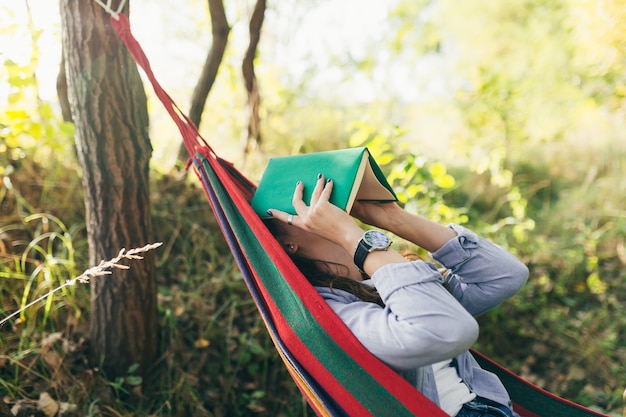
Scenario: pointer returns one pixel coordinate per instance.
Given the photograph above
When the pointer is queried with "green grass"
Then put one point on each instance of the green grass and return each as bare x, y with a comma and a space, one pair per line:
216, 358
563, 331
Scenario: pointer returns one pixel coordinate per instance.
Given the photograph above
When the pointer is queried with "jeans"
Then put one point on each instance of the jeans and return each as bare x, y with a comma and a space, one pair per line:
481, 407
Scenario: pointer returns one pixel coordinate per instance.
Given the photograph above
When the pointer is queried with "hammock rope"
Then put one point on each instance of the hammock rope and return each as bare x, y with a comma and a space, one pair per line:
336, 374
109, 9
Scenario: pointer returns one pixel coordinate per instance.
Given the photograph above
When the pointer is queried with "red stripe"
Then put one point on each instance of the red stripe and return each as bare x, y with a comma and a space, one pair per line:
317, 370
537, 389
188, 130
523, 412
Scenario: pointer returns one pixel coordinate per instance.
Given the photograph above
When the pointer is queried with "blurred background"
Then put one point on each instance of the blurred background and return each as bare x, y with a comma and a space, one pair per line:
508, 117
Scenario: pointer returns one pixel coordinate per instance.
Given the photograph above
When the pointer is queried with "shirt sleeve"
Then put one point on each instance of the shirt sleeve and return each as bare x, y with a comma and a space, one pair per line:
421, 322
480, 273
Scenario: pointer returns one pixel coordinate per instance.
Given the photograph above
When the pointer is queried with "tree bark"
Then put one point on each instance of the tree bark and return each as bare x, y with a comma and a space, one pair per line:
253, 138
109, 110
220, 30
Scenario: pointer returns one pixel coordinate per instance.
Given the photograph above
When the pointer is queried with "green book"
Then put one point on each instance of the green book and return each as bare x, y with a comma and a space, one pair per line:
354, 172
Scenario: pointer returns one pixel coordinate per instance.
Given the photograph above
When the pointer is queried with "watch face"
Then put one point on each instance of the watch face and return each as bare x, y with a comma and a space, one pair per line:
376, 239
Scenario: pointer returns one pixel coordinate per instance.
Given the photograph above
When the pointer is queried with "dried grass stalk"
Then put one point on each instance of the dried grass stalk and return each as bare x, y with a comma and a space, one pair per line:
104, 268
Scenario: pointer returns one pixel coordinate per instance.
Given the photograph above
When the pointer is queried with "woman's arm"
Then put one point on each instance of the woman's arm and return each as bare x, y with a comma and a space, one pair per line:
420, 324
416, 229
481, 274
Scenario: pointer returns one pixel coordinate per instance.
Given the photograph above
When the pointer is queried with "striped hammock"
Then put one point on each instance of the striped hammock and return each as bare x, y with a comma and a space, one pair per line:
336, 374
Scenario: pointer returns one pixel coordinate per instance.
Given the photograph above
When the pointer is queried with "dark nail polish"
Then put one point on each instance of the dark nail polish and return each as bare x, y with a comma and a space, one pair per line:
329, 180
269, 213
319, 176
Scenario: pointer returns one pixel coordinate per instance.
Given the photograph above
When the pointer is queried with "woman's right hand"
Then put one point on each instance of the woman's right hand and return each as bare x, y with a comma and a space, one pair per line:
333, 224
321, 217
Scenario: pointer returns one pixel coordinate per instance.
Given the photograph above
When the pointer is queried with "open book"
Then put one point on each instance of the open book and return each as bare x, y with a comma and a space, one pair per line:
354, 172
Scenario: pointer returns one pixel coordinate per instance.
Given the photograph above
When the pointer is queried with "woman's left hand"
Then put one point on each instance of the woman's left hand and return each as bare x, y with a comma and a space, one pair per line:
381, 215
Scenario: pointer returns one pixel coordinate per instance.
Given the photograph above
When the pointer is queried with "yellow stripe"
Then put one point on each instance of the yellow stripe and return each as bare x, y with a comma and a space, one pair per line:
306, 389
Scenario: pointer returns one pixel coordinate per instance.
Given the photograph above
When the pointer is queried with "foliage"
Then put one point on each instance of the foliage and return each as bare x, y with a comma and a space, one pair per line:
418, 182
26, 122
530, 153
217, 359
569, 304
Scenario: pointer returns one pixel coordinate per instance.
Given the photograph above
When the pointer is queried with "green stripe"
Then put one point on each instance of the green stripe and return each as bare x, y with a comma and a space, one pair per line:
532, 399
350, 375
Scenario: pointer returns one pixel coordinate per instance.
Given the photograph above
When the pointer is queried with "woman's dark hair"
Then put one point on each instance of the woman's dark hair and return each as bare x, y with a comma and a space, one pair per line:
322, 274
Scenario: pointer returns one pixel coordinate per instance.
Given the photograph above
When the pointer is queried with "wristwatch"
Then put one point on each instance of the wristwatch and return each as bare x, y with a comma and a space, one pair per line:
372, 240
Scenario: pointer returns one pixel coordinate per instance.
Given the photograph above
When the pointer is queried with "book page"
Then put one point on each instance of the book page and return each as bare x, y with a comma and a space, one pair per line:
358, 180
371, 188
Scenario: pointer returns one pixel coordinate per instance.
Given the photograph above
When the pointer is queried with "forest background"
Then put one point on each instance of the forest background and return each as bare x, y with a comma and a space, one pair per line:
508, 117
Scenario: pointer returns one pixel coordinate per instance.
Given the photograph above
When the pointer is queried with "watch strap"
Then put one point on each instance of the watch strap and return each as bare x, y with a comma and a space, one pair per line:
361, 252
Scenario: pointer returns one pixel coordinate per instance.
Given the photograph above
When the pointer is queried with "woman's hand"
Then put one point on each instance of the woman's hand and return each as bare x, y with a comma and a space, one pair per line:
321, 217
381, 215
324, 219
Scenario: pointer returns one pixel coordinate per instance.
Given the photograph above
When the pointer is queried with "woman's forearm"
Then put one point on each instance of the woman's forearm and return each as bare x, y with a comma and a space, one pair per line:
419, 230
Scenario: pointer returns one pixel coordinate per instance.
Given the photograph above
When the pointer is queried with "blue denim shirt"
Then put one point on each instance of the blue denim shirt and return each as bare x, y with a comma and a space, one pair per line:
423, 322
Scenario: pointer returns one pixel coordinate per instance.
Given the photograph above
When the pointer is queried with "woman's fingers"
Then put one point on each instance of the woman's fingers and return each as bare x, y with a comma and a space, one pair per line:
321, 190
327, 191
282, 216
297, 201
305, 214
320, 216
317, 191
380, 215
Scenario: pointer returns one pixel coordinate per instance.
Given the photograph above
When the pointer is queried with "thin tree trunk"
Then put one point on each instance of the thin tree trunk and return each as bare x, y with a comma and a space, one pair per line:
253, 138
61, 85
109, 109
220, 31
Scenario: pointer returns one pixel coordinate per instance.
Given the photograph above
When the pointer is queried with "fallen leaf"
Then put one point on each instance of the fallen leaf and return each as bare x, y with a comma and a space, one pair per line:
47, 405
67, 408
179, 311
4, 409
201, 343
51, 339
52, 358
257, 408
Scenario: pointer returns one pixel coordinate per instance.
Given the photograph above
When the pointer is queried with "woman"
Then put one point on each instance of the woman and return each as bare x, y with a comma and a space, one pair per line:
407, 313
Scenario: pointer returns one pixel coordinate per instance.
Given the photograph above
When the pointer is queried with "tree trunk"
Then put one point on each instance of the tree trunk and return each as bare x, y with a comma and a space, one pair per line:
253, 138
109, 109
220, 31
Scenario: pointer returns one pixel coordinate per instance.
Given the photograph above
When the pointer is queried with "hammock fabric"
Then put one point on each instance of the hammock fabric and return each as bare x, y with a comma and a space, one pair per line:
336, 374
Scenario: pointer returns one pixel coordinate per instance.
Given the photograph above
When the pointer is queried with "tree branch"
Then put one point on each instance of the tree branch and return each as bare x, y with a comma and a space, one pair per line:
220, 31
250, 80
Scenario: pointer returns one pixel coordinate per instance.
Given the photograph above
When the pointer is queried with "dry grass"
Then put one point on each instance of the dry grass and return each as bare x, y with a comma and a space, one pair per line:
216, 356
104, 268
